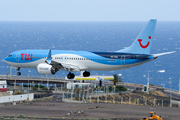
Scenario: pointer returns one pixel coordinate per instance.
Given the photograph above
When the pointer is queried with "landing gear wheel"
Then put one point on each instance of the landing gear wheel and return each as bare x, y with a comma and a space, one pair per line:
70, 76
18, 73
86, 74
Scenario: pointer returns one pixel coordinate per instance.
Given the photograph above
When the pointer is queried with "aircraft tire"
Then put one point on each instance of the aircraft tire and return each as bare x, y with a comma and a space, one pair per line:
70, 76
86, 74
18, 73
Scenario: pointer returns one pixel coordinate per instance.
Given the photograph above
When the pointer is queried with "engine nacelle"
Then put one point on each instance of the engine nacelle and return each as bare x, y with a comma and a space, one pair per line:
46, 69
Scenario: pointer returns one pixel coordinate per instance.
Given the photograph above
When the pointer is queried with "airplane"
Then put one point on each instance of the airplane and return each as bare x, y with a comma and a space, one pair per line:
48, 62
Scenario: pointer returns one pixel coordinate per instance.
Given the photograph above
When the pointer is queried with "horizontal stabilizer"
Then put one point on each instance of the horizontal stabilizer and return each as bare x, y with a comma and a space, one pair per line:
159, 54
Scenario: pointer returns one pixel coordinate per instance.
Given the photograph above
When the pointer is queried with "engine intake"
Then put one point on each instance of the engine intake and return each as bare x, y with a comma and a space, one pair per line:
46, 69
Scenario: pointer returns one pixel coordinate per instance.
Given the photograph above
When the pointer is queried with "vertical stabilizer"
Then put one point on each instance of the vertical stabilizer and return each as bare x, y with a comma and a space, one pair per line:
142, 44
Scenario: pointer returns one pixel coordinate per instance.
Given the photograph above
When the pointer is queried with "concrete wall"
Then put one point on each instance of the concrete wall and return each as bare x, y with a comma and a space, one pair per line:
16, 98
175, 102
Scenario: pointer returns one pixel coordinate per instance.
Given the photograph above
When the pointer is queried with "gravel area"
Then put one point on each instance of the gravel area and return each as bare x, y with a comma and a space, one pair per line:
88, 110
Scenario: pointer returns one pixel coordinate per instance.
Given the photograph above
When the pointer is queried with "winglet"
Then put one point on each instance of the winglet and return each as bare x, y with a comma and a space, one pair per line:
49, 58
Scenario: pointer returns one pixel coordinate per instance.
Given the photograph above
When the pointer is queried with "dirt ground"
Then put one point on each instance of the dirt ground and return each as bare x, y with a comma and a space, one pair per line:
88, 110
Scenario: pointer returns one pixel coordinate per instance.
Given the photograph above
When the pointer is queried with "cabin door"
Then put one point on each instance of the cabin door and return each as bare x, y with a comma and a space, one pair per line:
123, 60
17, 57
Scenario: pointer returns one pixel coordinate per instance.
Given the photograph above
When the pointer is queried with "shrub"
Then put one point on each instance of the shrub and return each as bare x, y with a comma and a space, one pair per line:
44, 88
110, 88
120, 88
41, 86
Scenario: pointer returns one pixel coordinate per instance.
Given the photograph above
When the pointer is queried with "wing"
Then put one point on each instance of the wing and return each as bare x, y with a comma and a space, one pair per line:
65, 66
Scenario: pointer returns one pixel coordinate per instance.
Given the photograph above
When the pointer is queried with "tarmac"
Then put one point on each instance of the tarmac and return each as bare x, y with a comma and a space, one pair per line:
68, 110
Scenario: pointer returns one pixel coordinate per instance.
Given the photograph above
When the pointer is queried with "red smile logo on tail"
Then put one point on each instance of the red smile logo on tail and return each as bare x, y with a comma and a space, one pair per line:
143, 45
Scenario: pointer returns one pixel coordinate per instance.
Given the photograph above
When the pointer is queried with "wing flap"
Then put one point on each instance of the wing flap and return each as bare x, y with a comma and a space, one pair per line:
70, 67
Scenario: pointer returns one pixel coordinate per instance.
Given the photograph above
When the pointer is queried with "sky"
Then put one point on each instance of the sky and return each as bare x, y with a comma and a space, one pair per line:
89, 10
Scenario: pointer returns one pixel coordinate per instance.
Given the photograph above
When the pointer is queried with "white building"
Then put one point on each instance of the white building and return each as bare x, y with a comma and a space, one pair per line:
3, 86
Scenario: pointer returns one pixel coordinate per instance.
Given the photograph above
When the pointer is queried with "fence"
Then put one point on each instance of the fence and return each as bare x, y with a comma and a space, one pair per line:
126, 100
114, 98
16, 98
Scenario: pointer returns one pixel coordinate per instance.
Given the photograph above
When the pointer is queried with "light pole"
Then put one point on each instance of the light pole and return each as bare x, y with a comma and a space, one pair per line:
47, 83
179, 85
28, 83
10, 71
38, 86
79, 95
170, 92
30, 86
148, 84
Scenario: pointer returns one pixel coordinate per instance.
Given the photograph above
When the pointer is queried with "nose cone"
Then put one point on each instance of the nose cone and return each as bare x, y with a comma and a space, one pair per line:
5, 60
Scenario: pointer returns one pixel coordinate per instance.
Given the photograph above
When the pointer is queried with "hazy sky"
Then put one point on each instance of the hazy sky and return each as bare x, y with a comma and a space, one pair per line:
89, 10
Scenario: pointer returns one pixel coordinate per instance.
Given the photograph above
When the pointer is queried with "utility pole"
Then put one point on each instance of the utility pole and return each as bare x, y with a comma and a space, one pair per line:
148, 84
10, 71
179, 85
47, 82
170, 92
28, 83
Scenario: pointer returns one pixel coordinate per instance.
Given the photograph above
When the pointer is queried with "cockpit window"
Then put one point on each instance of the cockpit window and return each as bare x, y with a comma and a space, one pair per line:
10, 56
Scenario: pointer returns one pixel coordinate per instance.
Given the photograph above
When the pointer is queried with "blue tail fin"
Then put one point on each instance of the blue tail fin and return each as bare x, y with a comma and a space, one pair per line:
142, 44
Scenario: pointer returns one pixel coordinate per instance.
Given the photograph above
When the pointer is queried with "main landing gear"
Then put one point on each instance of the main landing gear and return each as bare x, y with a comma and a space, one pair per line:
70, 75
18, 73
86, 74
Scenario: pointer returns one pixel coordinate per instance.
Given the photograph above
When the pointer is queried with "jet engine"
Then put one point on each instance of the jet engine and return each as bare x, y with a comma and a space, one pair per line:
46, 69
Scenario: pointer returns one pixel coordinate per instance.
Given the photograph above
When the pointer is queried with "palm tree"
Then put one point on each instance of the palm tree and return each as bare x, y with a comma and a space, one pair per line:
117, 79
